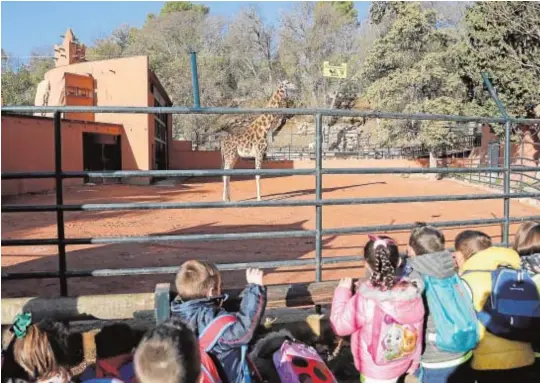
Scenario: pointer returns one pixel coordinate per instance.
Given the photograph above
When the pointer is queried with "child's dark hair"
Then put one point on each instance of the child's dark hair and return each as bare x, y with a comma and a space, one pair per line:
470, 242
114, 340
168, 354
426, 239
382, 256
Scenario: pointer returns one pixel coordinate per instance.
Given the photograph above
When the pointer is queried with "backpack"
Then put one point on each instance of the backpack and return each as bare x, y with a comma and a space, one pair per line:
512, 310
297, 362
113, 374
103, 380
453, 312
392, 340
207, 340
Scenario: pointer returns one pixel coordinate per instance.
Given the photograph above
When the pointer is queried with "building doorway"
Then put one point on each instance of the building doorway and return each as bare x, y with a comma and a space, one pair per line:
101, 152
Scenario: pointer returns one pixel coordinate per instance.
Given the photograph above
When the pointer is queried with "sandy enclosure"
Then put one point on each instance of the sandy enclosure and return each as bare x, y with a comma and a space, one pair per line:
234, 220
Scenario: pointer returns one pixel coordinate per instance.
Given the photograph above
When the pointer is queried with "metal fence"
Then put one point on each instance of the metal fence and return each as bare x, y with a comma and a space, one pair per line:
301, 147
60, 207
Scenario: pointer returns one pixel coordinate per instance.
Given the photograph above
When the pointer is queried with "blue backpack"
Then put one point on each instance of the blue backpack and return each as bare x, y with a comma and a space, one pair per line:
452, 310
513, 309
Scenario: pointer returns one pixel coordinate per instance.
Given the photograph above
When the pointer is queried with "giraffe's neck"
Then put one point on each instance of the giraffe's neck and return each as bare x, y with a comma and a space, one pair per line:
267, 121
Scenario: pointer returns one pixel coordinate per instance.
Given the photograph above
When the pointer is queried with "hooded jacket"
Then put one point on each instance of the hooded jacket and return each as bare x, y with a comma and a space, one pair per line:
198, 313
531, 263
438, 265
493, 352
353, 314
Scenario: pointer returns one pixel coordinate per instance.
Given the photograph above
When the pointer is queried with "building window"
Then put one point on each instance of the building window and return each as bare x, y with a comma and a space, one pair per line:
78, 92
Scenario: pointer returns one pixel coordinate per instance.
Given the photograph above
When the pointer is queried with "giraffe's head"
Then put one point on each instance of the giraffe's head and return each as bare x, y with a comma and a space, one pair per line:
287, 90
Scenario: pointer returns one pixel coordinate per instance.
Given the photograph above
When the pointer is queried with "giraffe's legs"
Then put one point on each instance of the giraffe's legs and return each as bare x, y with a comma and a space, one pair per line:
226, 196
258, 165
228, 164
258, 180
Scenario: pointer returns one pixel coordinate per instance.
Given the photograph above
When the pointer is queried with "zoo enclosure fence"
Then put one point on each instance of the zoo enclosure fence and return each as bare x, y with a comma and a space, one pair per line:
362, 148
318, 172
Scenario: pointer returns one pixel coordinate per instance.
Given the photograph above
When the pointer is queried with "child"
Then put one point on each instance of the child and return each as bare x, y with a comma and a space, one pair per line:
168, 354
199, 303
468, 243
385, 316
495, 359
522, 232
527, 244
428, 257
41, 349
114, 349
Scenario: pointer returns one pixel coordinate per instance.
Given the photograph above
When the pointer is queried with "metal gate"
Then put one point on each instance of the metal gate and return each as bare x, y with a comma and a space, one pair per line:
318, 172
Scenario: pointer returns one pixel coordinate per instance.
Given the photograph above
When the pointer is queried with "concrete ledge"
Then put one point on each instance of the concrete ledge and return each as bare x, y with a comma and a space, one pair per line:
106, 307
134, 306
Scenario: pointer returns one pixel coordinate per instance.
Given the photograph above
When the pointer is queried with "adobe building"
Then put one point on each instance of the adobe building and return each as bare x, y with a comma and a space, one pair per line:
100, 141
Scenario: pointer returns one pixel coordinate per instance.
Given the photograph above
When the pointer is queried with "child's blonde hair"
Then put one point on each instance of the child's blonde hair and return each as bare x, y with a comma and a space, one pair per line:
38, 354
169, 353
196, 278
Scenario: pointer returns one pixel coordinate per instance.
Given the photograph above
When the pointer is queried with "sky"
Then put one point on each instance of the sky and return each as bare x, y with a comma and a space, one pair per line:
28, 25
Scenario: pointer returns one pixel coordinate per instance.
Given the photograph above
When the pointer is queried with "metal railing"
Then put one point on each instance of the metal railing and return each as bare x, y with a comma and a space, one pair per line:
60, 207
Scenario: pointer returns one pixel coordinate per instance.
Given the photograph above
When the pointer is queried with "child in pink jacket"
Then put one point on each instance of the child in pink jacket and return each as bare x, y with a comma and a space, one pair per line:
385, 316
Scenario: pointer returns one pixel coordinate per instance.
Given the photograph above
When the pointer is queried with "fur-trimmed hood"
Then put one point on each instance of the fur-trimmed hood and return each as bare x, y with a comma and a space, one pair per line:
402, 291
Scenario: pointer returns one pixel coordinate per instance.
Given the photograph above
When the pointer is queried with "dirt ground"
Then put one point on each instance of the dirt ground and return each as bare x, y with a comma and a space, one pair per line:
161, 222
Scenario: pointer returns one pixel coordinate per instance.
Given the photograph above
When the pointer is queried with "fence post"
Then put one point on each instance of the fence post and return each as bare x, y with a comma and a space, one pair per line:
161, 302
60, 228
195, 80
290, 144
507, 172
318, 196
521, 156
506, 231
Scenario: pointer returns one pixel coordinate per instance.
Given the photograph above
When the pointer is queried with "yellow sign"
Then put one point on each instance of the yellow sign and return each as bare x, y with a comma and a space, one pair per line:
335, 71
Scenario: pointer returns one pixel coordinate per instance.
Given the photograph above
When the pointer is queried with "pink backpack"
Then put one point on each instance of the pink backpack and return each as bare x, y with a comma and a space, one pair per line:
391, 340
296, 362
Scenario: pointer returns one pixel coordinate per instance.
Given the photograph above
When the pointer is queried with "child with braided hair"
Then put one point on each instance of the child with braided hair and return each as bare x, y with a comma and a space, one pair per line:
384, 317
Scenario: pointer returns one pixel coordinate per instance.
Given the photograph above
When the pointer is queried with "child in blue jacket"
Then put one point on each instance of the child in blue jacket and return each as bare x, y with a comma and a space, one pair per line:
199, 303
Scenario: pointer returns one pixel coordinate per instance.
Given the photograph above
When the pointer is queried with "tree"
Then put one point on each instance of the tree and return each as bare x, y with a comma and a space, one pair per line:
167, 40
413, 69
112, 46
20, 79
310, 35
182, 6
251, 45
345, 8
503, 39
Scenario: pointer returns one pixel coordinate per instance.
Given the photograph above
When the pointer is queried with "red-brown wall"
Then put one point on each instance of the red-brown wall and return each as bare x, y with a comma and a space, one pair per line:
119, 82
183, 157
28, 146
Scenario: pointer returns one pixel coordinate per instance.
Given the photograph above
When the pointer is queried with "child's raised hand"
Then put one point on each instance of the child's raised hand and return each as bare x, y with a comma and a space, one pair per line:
346, 282
254, 276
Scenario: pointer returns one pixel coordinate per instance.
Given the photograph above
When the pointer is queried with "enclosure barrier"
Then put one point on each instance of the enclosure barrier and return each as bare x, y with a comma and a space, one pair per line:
59, 175
157, 304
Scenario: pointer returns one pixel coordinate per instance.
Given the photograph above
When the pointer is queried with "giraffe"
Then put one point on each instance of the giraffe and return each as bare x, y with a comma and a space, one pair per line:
252, 142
